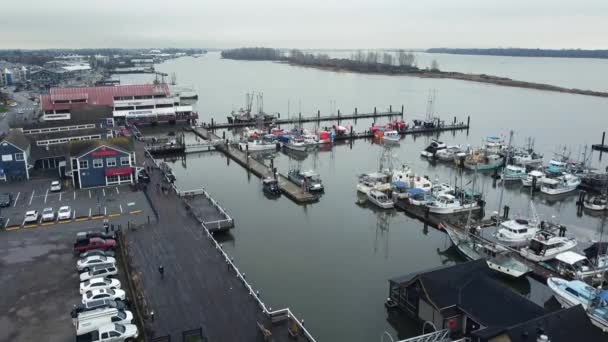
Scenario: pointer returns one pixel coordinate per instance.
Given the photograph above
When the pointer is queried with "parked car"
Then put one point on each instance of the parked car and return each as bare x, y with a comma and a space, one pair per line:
143, 176
96, 305
31, 216
5, 199
99, 283
64, 213
93, 243
97, 252
111, 332
55, 186
100, 271
97, 294
94, 234
48, 214
85, 264
93, 320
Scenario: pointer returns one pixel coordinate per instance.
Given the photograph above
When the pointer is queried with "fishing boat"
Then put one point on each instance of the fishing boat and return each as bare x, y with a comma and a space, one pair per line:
482, 161
270, 186
546, 245
596, 203
369, 181
497, 257
441, 188
556, 167
419, 197
391, 137
450, 153
513, 173
310, 178
432, 149
576, 292
380, 199
494, 144
399, 191
403, 174
256, 145
560, 185
527, 158
573, 265
595, 180
446, 204
296, 144
528, 181
518, 231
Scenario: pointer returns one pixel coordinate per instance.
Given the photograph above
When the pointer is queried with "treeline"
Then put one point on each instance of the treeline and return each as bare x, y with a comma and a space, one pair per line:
255, 54
516, 52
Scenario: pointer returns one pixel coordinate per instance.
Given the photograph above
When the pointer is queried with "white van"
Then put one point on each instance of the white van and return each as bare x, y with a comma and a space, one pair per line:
92, 320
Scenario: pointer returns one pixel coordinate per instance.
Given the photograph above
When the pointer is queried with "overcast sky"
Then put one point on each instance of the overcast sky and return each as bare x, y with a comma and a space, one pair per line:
305, 24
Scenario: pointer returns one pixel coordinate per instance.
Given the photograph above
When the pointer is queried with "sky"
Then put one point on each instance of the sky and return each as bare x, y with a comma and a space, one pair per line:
314, 24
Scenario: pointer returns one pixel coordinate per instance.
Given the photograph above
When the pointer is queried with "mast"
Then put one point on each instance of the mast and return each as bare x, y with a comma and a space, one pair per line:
502, 188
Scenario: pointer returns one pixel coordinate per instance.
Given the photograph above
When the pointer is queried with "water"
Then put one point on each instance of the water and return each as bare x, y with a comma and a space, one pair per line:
330, 261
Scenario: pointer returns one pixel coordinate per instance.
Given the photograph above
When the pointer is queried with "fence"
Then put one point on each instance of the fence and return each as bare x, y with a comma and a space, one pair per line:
217, 225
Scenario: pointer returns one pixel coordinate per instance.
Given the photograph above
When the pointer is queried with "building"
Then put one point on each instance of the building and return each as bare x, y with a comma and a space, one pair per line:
138, 104
102, 163
7, 77
14, 157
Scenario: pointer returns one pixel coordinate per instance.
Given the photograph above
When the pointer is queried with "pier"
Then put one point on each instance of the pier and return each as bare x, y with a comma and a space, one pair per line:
259, 169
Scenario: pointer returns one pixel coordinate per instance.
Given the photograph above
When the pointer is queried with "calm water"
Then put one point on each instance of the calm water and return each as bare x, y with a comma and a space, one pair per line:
330, 261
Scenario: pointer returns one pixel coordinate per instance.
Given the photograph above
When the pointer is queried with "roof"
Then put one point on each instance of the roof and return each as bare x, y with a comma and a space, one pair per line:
18, 139
566, 325
469, 287
78, 116
98, 96
570, 257
78, 148
50, 151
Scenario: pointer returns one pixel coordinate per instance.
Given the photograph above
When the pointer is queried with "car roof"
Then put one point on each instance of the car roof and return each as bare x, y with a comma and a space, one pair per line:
47, 209
30, 212
55, 182
64, 207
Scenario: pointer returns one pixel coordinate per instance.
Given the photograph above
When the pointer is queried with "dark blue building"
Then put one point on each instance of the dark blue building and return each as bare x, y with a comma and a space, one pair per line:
14, 157
101, 163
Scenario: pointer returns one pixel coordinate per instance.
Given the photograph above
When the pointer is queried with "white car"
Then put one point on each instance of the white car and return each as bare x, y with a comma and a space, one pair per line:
48, 214
64, 213
85, 264
55, 186
98, 294
31, 216
112, 332
99, 283
97, 272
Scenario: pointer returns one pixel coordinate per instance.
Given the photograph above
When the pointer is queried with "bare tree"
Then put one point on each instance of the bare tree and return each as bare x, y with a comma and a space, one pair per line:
387, 58
372, 57
406, 59
434, 65
359, 57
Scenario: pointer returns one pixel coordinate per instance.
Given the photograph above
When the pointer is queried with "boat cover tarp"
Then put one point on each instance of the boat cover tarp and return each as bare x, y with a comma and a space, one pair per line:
399, 184
415, 191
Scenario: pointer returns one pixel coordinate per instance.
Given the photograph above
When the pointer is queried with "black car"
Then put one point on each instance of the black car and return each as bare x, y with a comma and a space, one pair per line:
98, 304
143, 176
85, 236
5, 199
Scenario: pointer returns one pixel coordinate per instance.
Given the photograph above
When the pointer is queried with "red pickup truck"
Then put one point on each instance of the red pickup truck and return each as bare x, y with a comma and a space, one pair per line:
93, 243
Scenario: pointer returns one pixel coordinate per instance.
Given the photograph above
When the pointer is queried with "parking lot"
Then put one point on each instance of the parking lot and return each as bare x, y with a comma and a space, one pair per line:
89, 204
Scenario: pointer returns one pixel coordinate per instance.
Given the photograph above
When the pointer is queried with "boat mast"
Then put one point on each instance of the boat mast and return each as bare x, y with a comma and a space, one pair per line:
502, 188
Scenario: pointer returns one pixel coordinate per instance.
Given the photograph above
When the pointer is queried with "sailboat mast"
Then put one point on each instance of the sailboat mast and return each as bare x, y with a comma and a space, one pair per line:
502, 188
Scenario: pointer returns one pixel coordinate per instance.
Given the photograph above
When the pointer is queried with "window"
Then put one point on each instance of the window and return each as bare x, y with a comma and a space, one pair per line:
571, 291
83, 164
7, 157
125, 178
124, 161
114, 334
104, 336
111, 162
112, 179
97, 163
19, 156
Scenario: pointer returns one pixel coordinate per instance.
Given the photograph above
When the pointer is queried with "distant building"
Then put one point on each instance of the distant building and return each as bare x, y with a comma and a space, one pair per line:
101, 163
7, 77
14, 157
142, 103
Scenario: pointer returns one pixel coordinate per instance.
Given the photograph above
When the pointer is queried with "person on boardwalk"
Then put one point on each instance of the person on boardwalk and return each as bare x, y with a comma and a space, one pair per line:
161, 270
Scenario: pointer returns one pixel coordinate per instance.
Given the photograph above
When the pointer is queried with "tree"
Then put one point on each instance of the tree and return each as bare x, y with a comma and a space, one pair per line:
434, 65
406, 59
359, 57
387, 58
372, 57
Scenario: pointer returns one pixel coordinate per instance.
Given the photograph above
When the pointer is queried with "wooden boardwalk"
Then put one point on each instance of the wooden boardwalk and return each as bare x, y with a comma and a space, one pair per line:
201, 287
287, 187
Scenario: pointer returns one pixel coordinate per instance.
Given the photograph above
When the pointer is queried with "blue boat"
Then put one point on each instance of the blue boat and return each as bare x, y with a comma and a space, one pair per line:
575, 292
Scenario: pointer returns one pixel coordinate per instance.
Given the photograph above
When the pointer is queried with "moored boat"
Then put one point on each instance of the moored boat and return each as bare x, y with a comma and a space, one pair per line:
380, 199
596, 203
482, 161
308, 179
270, 186
576, 292
432, 149
546, 245
391, 137
560, 185
518, 231
446, 204
529, 180
513, 173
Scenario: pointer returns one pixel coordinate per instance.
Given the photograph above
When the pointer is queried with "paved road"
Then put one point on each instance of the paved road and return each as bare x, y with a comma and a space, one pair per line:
24, 104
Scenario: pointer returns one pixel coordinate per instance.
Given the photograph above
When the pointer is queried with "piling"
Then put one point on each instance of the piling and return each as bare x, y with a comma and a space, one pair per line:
468, 121
318, 115
355, 111
390, 108
603, 137
212, 122
375, 112
505, 213
338, 113
402, 110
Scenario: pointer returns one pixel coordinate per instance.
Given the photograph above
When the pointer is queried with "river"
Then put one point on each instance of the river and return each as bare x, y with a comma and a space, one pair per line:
330, 262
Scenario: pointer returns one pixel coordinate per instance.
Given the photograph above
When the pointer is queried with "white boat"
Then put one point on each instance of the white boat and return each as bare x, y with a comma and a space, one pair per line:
403, 174
432, 149
421, 183
311, 179
528, 181
296, 144
441, 188
380, 199
513, 173
560, 185
256, 145
518, 231
546, 245
368, 181
450, 153
447, 204
391, 137
495, 144
576, 292
596, 203
573, 265
526, 158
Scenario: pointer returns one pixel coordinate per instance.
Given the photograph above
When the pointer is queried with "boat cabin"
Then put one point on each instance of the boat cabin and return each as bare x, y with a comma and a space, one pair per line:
571, 265
546, 243
379, 196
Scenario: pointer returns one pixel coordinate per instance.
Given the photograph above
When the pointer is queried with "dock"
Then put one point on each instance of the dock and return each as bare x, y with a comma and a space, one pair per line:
316, 118
291, 190
202, 290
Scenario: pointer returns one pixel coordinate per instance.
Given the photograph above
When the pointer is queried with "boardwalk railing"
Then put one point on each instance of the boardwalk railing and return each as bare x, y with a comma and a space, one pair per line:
217, 225
276, 315
436, 336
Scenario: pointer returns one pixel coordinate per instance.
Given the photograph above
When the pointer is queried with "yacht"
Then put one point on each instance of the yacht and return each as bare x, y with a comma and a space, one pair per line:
513, 173
369, 181
482, 161
270, 186
528, 181
596, 203
560, 185
546, 245
432, 149
380, 199
518, 231
310, 178
391, 137
448, 204
575, 292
